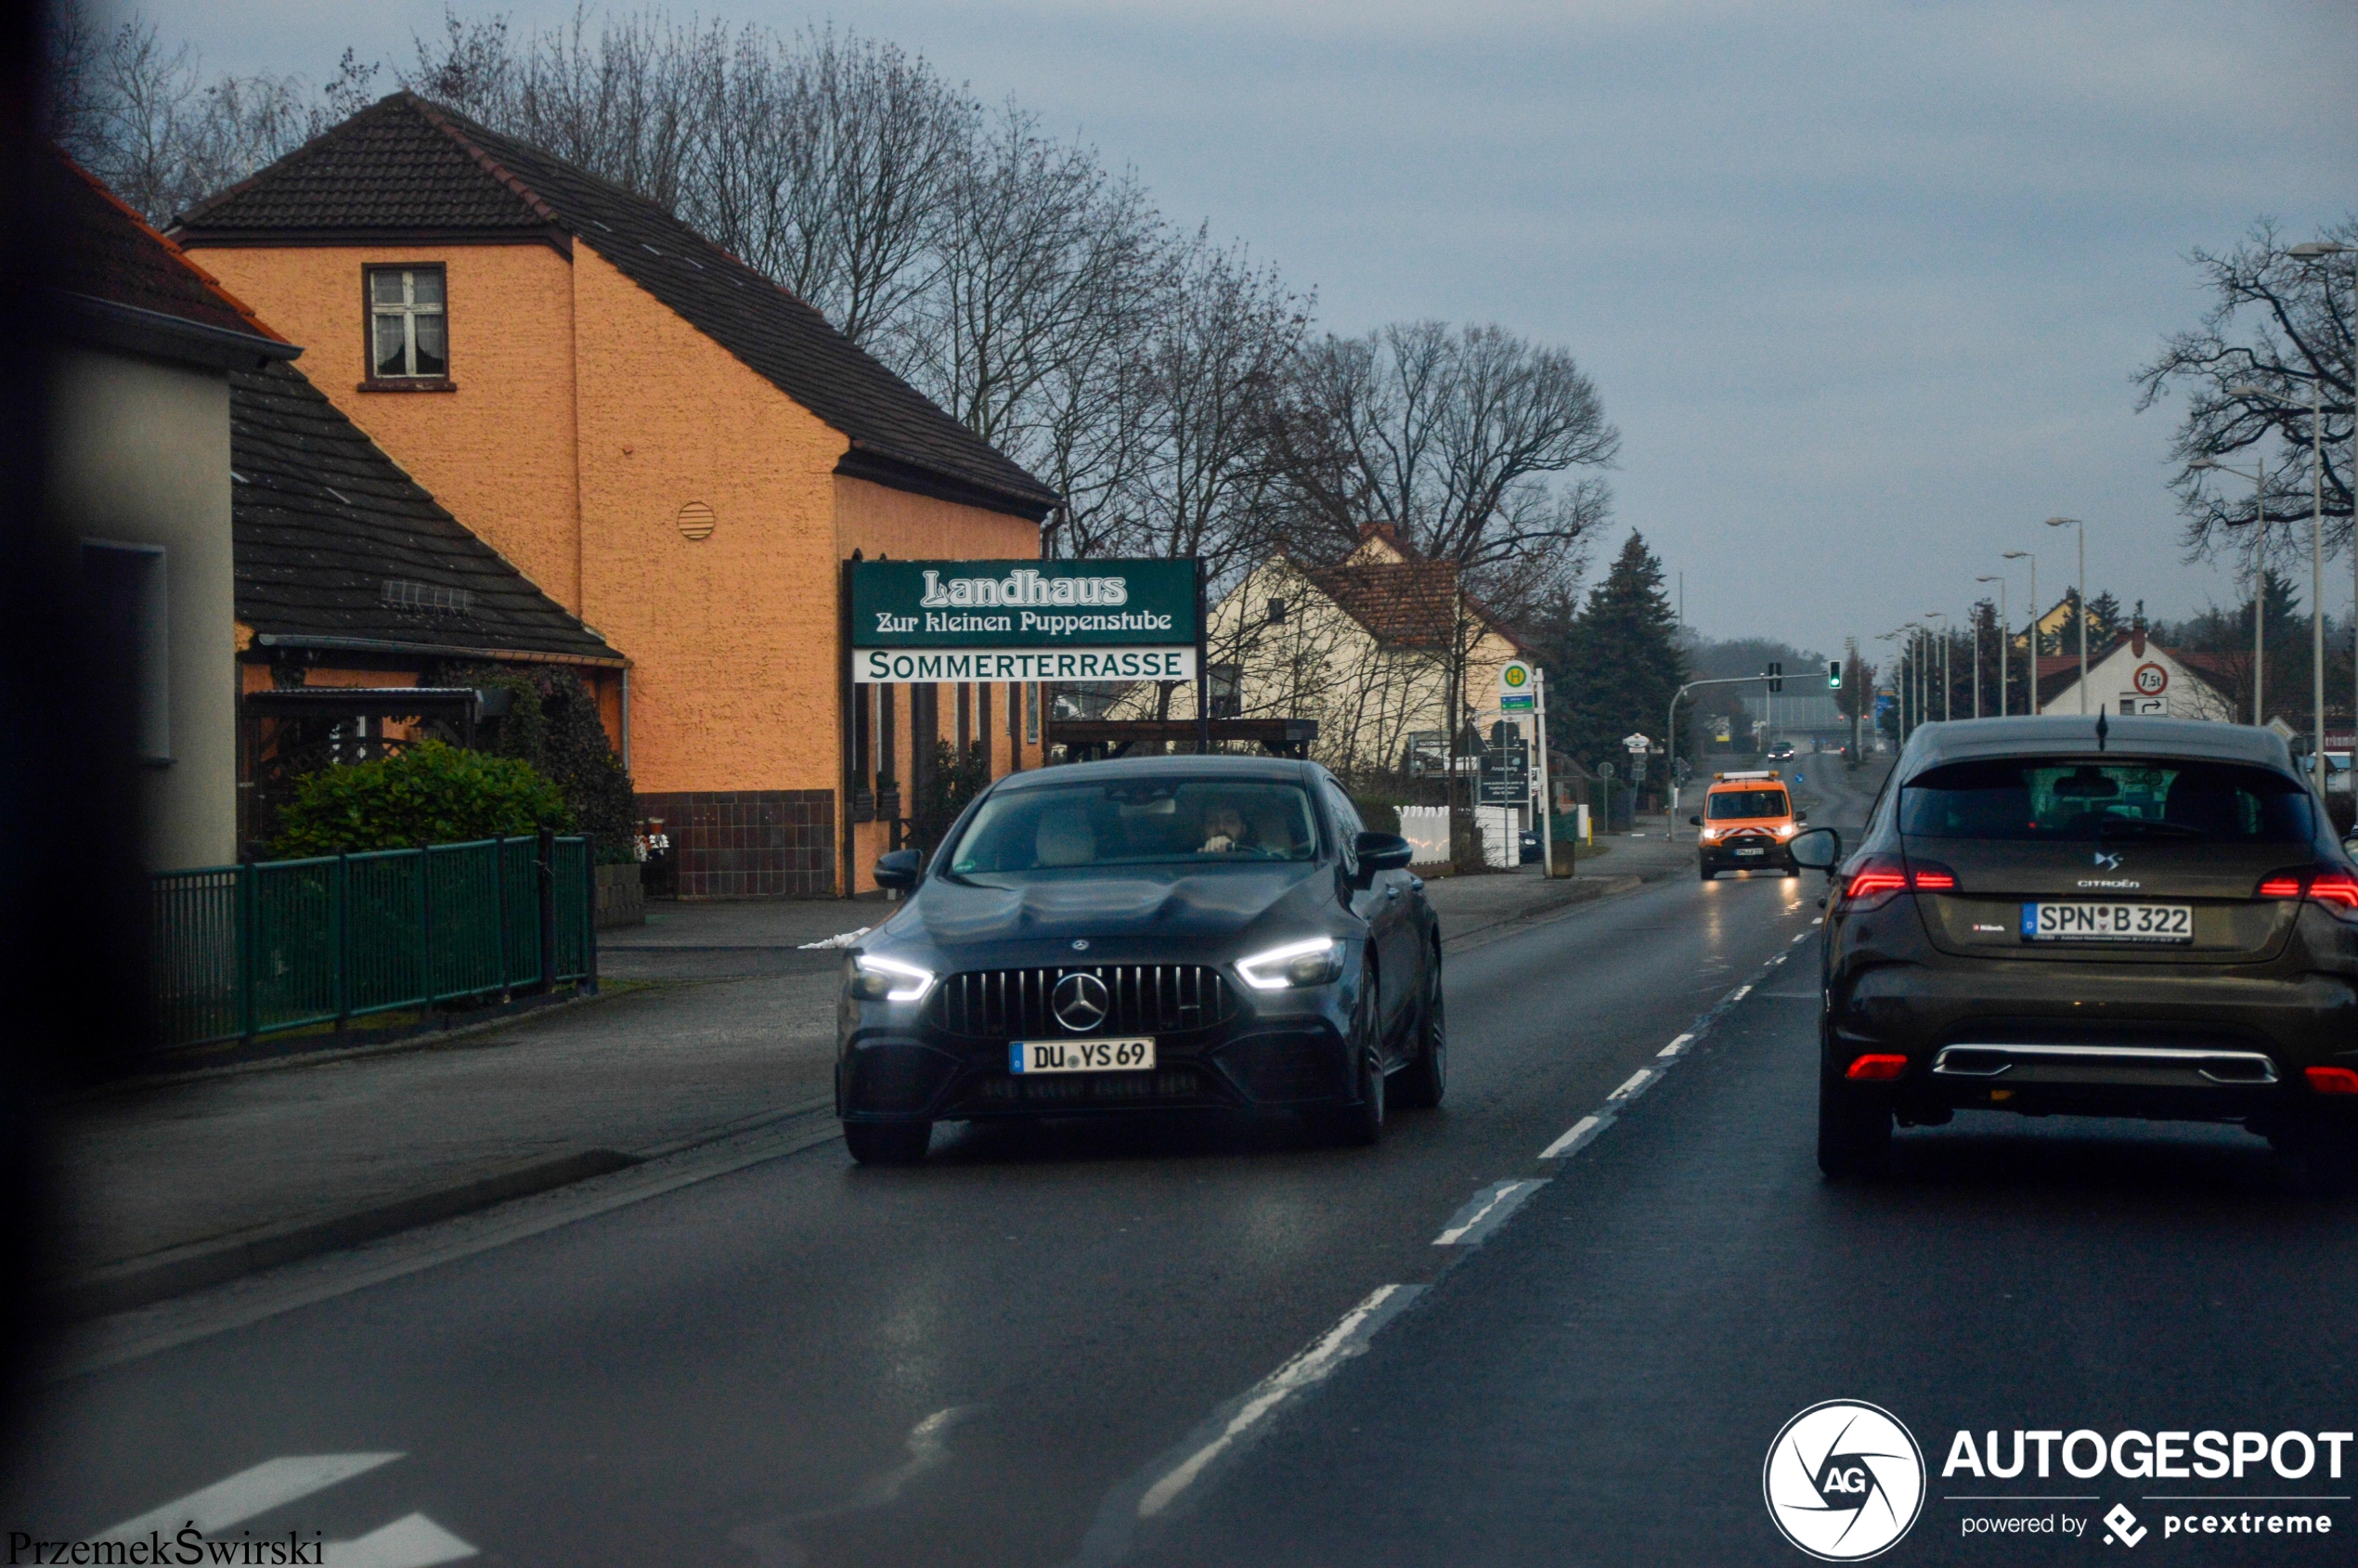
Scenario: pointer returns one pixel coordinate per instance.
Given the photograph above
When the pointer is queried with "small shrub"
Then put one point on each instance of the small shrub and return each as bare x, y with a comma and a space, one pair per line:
428, 794
553, 724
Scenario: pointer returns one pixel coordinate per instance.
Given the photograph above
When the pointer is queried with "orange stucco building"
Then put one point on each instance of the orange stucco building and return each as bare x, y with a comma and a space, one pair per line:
673, 449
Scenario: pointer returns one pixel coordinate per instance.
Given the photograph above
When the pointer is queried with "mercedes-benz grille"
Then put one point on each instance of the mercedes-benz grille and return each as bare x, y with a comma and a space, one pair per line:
1141, 999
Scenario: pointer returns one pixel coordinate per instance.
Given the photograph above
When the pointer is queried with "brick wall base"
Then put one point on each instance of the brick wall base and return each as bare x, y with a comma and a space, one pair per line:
749, 843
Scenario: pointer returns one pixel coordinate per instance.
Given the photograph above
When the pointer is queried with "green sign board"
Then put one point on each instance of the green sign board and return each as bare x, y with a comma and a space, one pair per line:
1023, 620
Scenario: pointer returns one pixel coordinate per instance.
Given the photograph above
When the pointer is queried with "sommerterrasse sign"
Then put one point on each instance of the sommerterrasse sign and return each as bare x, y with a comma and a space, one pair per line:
1023, 620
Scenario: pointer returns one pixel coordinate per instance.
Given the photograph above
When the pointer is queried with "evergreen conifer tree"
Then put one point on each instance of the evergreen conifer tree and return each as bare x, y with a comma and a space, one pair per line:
1622, 664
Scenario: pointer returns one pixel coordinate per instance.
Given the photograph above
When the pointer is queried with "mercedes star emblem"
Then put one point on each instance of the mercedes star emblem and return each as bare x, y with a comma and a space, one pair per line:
1081, 1002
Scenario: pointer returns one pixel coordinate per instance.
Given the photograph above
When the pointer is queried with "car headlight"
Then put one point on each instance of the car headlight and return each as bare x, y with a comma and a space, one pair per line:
1786, 830
1707, 835
1315, 962
884, 980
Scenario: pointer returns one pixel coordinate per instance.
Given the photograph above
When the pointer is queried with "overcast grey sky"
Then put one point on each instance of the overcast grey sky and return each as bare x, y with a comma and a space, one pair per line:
1863, 285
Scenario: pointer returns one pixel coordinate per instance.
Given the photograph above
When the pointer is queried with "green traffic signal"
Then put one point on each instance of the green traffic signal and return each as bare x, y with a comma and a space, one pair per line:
1833, 675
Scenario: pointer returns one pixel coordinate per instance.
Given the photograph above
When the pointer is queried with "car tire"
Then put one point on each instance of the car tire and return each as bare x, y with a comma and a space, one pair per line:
1707, 873
1359, 1125
887, 1143
1854, 1133
1424, 1081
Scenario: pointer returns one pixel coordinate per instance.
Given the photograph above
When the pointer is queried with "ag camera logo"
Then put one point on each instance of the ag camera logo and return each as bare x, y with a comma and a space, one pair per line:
1843, 1481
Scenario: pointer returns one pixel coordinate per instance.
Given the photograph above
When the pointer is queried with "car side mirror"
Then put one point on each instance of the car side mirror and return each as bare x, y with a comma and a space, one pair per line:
1819, 850
1694, 821
897, 870
2349, 846
1382, 852
1801, 817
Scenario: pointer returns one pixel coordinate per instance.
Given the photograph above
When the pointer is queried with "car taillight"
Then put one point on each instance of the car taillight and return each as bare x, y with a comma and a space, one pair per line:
2337, 889
2330, 886
1882, 875
2332, 1080
1883, 1070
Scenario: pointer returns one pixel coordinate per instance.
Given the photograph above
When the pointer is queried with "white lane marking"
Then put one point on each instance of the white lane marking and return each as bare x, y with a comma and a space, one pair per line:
1486, 1211
1635, 1085
1676, 1046
1738, 993
1820, 921
1802, 936
272, 1484
1577, 1138
1343, 1339
413, 1542
1778, 959
841, 939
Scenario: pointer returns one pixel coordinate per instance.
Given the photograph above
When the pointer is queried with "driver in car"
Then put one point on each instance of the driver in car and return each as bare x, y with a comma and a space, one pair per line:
1224, 829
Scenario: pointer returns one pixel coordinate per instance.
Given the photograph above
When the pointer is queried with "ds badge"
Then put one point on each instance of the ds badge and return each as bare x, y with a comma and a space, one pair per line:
1844, 1479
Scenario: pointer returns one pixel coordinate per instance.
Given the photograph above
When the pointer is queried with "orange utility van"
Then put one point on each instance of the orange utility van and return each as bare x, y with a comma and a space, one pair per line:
1747, 824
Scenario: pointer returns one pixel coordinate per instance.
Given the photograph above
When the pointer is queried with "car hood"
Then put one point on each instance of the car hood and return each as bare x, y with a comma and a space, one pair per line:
1129, 915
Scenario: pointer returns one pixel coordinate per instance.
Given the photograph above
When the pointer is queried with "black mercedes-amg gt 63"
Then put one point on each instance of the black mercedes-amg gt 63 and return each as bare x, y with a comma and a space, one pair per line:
1157, 933
2109, 916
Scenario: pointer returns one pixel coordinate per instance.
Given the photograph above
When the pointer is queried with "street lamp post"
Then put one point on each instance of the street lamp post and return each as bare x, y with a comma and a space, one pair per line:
2259, 477
1899, 682
2004, 636
1948, 684
1922, 688
2318, 250
2083, 592
2030, 677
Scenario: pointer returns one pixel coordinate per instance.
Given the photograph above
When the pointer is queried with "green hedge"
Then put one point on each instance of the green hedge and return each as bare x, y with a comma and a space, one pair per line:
428, 794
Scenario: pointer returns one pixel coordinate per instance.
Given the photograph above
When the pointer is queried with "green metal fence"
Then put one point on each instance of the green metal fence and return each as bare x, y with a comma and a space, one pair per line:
242, 951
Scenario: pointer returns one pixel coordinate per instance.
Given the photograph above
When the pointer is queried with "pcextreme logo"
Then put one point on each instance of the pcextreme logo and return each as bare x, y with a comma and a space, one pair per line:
1843, 1481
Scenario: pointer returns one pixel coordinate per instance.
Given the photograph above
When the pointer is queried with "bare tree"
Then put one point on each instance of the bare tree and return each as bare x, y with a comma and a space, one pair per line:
1476, 448
1456, 441
874, 138
2281, 324
1040, 261
143, 118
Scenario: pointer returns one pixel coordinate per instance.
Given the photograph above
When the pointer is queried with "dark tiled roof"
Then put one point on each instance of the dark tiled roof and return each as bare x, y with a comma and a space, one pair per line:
406, 168
1404, 605
333, 541
107, 252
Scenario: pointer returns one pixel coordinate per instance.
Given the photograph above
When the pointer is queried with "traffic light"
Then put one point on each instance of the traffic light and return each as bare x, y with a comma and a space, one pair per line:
1833, 675
1777, 676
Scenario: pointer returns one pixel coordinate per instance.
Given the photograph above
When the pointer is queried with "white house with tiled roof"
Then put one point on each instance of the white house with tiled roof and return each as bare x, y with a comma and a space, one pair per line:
1363, 647
2139, 676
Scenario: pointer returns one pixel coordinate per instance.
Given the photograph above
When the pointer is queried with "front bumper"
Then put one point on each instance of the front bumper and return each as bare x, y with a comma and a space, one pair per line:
1773, 855
1278, 1050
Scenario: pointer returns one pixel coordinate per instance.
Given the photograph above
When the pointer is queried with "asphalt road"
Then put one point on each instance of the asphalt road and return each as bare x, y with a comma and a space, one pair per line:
1196, 1341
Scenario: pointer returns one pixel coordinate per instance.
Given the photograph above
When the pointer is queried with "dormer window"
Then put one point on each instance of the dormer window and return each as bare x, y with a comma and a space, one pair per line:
408, 326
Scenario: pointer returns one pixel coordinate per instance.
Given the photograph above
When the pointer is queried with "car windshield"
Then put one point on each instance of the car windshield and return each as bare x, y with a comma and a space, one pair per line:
1730, 803
2044, 799
1206, 821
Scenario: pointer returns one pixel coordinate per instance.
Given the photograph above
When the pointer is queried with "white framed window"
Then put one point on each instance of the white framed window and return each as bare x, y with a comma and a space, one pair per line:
408, 324
129, 594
